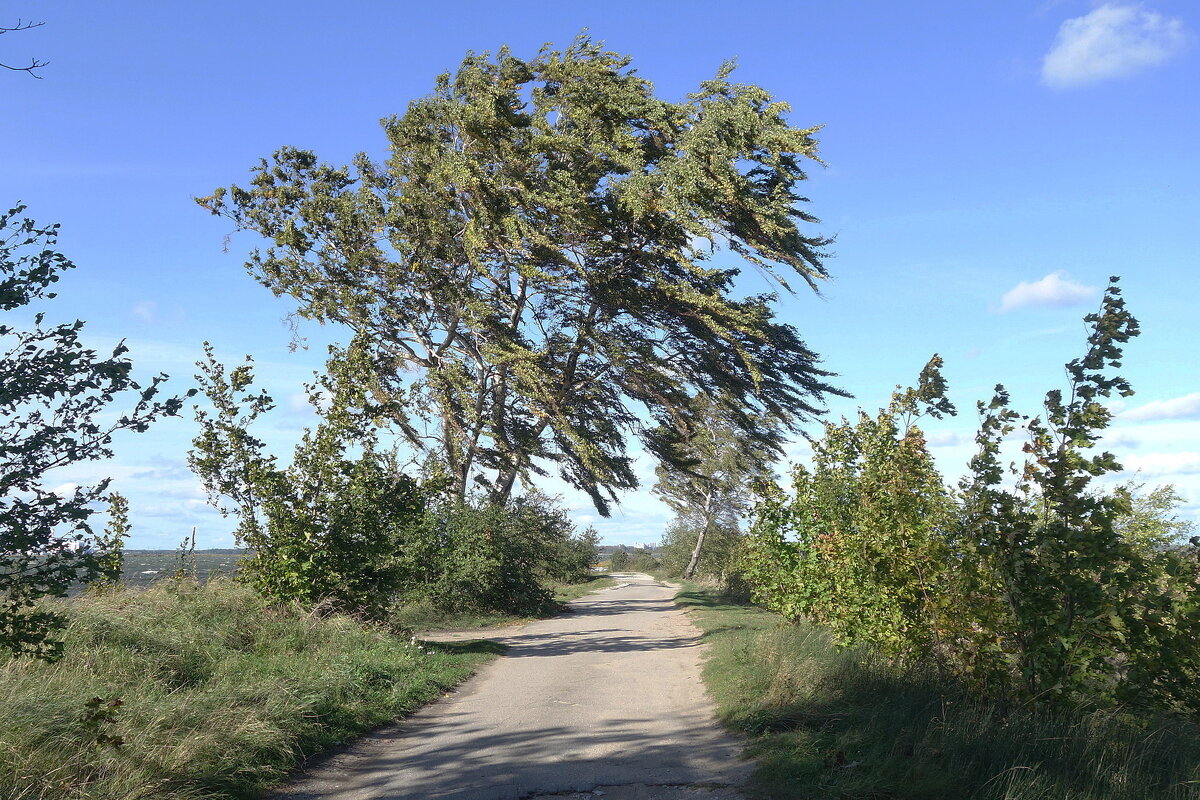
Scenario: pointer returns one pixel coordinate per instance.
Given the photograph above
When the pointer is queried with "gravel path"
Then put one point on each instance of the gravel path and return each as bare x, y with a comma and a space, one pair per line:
606, 701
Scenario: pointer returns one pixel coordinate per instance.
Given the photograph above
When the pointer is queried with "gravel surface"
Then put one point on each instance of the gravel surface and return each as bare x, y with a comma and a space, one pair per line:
603, 702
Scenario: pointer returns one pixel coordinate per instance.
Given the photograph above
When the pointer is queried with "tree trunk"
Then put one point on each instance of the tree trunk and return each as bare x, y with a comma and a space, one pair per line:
691, 567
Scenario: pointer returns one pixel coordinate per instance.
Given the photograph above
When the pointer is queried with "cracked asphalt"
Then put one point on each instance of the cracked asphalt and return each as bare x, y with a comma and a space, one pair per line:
604, 702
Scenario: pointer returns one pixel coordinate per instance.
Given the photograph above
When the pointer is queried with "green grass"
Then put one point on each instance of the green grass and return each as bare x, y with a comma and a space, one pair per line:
566, 592
221, 694
423, 616
825, 723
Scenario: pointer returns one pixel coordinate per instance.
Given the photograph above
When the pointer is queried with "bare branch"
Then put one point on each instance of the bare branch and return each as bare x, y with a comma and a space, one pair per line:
34, 64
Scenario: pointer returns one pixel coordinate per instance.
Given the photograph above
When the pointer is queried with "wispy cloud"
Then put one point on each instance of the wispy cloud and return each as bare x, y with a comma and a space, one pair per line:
1113, 41
1053, 291
146, 311
945, 439
1155, 464
1185, 407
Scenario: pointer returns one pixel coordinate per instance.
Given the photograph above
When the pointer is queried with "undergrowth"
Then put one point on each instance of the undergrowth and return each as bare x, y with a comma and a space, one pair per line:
830, 723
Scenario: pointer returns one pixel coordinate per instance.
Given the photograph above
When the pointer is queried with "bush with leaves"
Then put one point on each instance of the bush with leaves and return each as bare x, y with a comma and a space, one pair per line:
494, 556
642, 560
111, 545
1091, 613
329, 527
862, 543
1026, 581
619, 561
56, 409
719, 556
576, 557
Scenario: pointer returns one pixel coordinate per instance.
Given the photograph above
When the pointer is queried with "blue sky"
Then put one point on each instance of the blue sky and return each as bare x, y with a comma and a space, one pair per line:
989, 166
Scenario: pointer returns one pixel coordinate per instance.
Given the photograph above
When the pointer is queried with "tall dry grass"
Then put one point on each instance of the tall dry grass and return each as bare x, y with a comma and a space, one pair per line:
220, 694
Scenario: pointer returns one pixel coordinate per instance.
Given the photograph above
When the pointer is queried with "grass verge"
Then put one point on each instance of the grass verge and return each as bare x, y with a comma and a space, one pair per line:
825, 723
424, 616
220, 694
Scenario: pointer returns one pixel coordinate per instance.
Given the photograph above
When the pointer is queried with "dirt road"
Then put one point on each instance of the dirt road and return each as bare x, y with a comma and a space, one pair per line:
606, 702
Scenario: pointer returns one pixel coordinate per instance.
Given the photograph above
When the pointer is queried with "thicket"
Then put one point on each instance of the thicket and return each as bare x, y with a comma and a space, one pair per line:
633, 559
343, 526
1024, 581
718, 556
494, 556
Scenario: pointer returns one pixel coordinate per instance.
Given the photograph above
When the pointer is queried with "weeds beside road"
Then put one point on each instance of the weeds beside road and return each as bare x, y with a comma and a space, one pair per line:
825, 723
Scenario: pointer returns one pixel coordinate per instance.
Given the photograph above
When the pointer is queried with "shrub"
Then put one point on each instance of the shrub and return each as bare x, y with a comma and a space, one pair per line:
494, 557
1024, 581
330, 527
58, 407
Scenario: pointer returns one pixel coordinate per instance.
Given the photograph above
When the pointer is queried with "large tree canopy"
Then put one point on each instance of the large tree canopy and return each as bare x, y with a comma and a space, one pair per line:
533, 266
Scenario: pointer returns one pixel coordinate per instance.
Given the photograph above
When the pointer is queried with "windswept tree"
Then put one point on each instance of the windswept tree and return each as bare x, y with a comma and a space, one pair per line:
535, 264
709, 489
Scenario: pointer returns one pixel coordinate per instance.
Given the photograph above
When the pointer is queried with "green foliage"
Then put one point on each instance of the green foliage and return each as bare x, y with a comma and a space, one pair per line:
111, 546
1091, 615
222, 693
329, 527
1024, 581
576, 557
709, 490
718, 557
862, 543
824, 721
56, 409
494, 557
619, 562
533, 262
635, 559
642, 560
1149, 523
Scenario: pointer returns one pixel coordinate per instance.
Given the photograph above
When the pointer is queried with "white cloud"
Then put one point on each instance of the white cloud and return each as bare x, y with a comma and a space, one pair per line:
1053, 291
943, 439
65, 490
1111, 42
1154, 464
1186, 407
146, 311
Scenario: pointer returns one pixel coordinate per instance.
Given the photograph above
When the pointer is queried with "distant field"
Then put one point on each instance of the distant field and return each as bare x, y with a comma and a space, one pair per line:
144, 567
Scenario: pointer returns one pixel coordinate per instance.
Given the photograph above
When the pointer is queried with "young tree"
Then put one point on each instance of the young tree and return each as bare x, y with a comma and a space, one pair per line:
328, 527
709, 487
863, 544
1094, 612
111, 545
56, 401
619, 561
535, 260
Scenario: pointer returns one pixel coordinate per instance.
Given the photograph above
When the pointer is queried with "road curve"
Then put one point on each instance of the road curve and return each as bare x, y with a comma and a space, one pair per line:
606, 701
